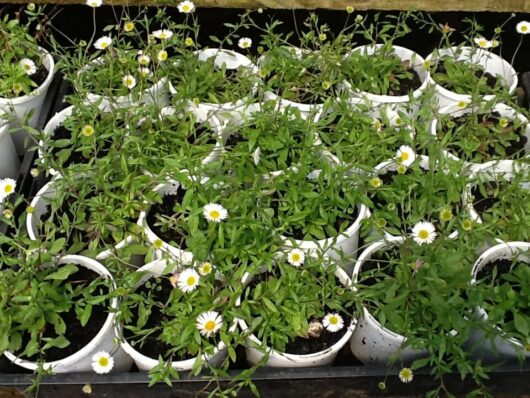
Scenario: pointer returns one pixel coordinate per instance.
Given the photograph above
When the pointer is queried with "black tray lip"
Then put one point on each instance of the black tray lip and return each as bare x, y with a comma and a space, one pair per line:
263, 374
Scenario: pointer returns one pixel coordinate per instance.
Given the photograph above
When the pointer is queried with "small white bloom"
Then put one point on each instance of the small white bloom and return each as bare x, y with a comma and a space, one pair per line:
163, 34
28, 66
144, 60
406, 375
405, 155
129, 81
256, 156
94, 3
245, 42
186, 7
205, 268
144, 72
482, 42
333, 322
296, 257
214, 212
103, 42
523, 27
102, 362
188, 280
209, 322
7, 187
161, 56
424, 232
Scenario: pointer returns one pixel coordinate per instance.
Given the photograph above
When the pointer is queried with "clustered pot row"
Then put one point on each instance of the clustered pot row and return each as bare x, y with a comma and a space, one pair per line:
290, 205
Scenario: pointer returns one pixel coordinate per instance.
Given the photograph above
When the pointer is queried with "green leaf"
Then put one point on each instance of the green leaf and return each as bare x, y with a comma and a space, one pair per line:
62, 273
521, 324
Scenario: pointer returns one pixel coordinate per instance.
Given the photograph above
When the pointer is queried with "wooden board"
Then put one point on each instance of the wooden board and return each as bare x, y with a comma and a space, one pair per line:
428, 5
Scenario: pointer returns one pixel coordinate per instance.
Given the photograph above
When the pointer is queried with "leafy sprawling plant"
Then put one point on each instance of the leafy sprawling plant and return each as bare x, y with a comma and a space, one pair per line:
43, 301
21, 60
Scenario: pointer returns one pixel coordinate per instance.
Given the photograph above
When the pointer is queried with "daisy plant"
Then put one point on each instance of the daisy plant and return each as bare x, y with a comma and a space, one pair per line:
311, 201
413, 290
22, 67
307, 307
183, 313
50, 308
412, 191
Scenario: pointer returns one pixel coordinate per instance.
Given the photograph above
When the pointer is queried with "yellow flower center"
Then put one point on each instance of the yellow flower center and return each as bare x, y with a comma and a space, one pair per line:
295, 257
190, 281
401, 169
188, 41
503, 122
210, 325
103, 361
8, 188
446, 215
376, 182
524, 28
467, 225
163, 36
206, 268
377, 124
333, 320
423, 234
215, 214
405, 156
26, 66
185, 8
87, 130
104, 44
129, 26
157, 244
482, 43
462, 104
162, 55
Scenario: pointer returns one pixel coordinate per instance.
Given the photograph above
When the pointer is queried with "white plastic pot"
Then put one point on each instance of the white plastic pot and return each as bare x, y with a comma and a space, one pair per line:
255, 350
156, 94
491, 63
305, 109
502, 164
395, 102
9, 163
182, 257
40, 205
503, 348
372, 343
33, 101
231, 60
81, 361
144, 363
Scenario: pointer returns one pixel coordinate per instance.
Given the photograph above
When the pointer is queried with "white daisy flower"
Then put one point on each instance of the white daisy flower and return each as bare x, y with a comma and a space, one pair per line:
129, 81
523, 27
376, 124
209, 322
205, 268
144, 72
405, 155
245, 42
188, 280
296, 257
103, 42
333, 322
256, 156
161, 56
94, 3
144, 59
28, 66
102, 362
424, 232
406, 375
186, 7
7, 187
214, 212
163, 34
482, 42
